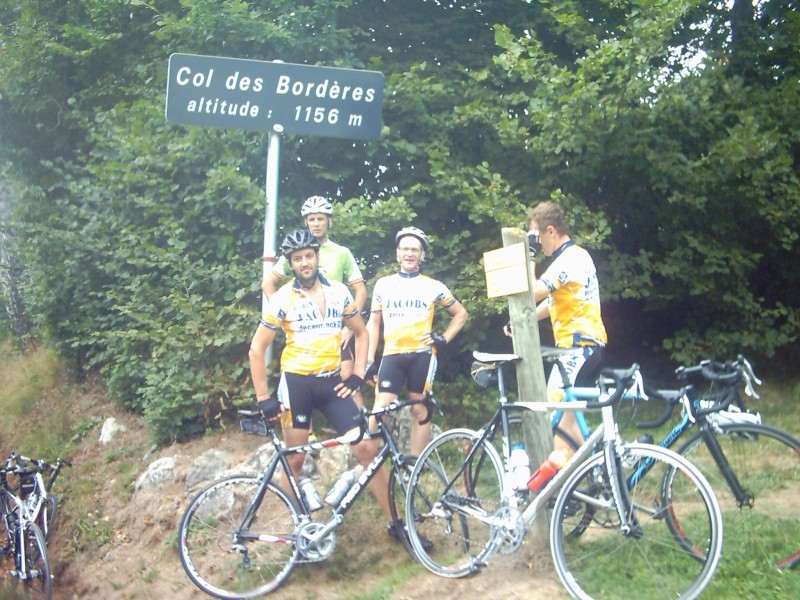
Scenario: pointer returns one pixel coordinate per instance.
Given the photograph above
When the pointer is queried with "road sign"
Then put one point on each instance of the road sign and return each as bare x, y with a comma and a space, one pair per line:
260, 95
506, 270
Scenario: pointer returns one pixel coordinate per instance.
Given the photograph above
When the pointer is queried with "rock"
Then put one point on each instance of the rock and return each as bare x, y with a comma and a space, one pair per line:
207, 466
110, 429
158, 475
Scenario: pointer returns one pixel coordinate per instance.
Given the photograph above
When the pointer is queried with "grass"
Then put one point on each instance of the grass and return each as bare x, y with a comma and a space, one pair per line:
29, 387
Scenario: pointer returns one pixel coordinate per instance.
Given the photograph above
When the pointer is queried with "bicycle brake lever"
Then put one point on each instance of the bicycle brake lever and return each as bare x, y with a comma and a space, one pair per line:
750, 378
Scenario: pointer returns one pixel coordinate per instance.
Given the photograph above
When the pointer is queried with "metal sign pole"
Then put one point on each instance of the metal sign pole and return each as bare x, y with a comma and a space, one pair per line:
270, 217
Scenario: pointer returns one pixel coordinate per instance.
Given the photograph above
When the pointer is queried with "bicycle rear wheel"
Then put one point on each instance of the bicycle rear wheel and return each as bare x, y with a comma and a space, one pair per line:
649, 562
227, 560
38, 583
765, 525
454, 492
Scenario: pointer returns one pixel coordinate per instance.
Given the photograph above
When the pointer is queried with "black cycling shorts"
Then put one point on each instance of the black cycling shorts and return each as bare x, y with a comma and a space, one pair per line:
415, 371
301, 394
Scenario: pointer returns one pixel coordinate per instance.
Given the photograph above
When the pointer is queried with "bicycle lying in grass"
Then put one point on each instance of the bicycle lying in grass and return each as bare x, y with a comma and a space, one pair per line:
753, 468
461, 498
23, 540
243, 535
36, 479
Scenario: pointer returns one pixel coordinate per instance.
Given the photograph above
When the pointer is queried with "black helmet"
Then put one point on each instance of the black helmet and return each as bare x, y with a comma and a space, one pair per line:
297, 240
414, 232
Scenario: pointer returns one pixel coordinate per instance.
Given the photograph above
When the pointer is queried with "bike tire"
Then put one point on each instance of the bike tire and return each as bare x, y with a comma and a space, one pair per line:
8, 534
399, 477
260, 561
451, 502
766, 461
47, 515
650, 563
39, 583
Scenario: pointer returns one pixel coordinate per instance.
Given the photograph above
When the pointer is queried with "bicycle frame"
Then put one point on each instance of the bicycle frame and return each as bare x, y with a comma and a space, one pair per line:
389, 450
20, 516
604, 434
688, 418
742, 496
574, 402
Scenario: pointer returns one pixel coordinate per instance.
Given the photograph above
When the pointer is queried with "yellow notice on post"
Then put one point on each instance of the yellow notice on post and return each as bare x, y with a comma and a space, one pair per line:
506, 270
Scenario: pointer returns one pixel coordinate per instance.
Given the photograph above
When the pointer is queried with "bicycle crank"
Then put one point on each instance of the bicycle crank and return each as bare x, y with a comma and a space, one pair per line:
310, 547
507, 530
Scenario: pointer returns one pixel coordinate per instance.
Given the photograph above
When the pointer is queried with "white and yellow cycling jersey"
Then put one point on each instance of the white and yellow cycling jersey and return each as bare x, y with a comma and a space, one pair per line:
406, 302
313, 340
574, 300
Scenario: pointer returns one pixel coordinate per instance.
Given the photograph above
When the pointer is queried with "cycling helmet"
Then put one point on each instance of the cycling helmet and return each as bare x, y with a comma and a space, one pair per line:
316, 204
412, 231
297, 240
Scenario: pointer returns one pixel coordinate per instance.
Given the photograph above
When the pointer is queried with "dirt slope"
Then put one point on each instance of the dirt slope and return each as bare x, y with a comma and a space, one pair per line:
134, 554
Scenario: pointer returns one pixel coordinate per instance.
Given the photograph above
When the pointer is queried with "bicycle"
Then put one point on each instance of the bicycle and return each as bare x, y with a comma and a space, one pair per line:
23, 539
242, 536
460, 497
753, 468
35, 489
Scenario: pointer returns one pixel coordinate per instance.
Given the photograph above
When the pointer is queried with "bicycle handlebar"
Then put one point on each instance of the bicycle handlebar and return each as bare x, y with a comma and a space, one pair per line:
18, 464
728, 374
669, 406
429, 401
621, 380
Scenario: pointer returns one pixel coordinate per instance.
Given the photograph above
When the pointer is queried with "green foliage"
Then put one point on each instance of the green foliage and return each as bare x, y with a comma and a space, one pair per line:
464, 403
667, 129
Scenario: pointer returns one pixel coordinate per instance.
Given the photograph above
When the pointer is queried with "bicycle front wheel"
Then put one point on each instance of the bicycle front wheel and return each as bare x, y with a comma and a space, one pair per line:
648, 561
454, 491
763, 525
228, 558
399, 477
38, 582
47, 515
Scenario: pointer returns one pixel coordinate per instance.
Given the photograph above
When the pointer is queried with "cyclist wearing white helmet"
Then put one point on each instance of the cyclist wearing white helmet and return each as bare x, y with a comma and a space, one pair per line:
336, 263
404, 303
311, 310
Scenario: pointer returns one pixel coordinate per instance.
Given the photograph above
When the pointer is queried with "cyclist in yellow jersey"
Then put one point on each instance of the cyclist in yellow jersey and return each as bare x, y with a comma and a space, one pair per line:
336, 263
568, 292
311, 310
404, 303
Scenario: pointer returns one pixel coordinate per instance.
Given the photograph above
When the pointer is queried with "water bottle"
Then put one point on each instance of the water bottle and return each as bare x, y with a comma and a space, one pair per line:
520, 466
547, 470
340, 488
310, 494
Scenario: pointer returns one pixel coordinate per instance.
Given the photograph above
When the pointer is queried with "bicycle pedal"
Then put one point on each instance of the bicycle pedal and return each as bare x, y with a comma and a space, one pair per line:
476, 566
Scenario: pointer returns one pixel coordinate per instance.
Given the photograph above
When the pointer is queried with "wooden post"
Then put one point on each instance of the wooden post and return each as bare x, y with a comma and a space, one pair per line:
531, 384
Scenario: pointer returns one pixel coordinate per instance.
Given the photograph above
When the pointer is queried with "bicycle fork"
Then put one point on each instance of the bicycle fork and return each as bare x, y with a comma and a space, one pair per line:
612, 450
743, 498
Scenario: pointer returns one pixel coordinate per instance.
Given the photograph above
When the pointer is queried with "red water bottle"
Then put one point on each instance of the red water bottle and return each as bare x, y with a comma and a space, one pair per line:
547, 470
